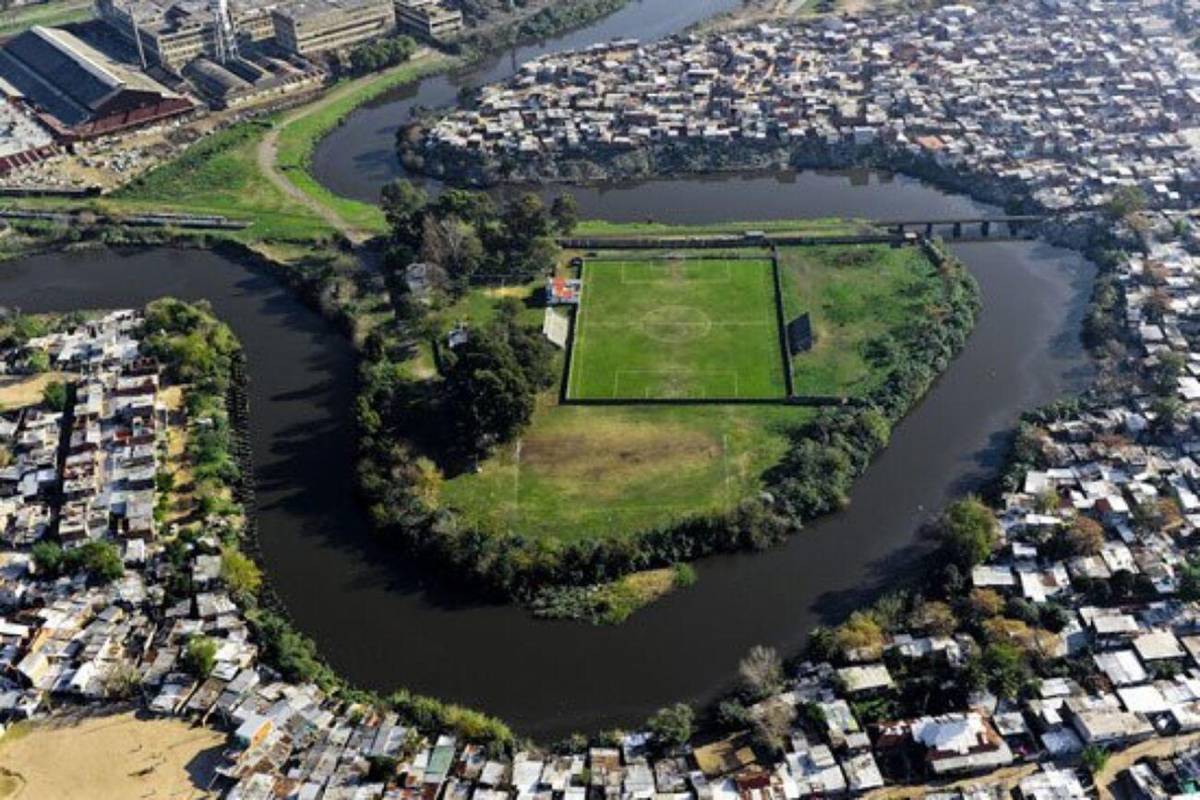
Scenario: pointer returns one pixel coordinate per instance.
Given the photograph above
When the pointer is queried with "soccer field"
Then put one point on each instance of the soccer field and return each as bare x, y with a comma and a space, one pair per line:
677, 329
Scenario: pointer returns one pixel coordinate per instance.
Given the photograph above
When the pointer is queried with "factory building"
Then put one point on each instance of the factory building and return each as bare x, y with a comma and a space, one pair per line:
311, 27
78, 91
174, 32
428, 19
239, 81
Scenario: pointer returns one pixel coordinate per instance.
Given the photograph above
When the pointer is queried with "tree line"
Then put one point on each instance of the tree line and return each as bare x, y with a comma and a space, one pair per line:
486, 394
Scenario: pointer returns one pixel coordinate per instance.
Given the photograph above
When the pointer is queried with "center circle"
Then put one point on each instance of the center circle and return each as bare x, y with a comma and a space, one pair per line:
676, 323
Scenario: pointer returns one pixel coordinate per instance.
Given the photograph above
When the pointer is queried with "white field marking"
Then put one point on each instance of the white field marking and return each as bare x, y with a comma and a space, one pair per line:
517, 484
667, 371
686, 324
577, 344
727, 277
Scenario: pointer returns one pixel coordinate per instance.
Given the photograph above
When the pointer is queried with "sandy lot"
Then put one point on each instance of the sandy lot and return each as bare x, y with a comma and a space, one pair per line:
111, 757
27, 391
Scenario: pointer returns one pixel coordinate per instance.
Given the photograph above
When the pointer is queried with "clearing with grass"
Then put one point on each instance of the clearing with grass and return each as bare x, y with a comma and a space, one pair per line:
688, 328
590, 472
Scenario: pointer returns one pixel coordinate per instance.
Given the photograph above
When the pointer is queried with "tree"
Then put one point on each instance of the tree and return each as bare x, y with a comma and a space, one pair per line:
1166, 374
1189, 581
486, 392
525, 219
938, 619
1168, 413
54, 396
1085, 537
381, 53
1094, 758
199, 656
968, 531
37, 361
240, 574
672, 725
48, 558
771, 724
100, 560
121, 681
404, 207
761, 672
859, 632
451, 244
985, 603
1125, 200
1006, 669
565, 213
476, 208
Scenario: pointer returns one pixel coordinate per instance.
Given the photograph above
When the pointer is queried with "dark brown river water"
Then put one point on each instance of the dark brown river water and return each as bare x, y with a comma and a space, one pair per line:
384, 625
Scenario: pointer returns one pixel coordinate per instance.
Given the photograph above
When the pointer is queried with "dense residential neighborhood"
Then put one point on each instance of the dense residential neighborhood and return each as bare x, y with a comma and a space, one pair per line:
1124, 611
1056, 649
1063, 99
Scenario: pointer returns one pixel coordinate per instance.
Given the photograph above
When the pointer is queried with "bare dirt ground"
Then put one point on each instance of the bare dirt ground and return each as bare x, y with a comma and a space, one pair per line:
757, 12
182, 504
1122, 760
1006, 778
111, 757
27, 391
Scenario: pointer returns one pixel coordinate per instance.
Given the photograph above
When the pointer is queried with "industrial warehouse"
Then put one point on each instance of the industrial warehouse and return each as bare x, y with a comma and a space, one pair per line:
79, 92
142, 63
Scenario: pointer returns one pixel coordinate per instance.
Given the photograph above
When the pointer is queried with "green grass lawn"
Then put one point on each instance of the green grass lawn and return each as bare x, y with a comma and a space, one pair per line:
220, 175
304, 131
853, 294
815, 227
55, 12
692, 329
583, 472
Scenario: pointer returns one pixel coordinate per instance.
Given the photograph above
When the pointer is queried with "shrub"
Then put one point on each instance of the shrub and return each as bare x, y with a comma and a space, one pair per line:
672, 725
199, 656
761, 672
968, 531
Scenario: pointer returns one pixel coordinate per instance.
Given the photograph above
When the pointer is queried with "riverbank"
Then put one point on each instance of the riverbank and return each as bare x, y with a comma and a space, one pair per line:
472, 624
517, 526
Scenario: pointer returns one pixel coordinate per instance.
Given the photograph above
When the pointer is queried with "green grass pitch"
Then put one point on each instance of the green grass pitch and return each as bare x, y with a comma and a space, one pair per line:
677, 329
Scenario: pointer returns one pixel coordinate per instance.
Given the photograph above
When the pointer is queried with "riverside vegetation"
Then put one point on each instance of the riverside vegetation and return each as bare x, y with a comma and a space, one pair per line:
435, 424
199, 351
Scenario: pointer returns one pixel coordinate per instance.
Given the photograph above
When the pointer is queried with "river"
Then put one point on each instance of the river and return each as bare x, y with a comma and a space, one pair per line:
359, 157
383, 624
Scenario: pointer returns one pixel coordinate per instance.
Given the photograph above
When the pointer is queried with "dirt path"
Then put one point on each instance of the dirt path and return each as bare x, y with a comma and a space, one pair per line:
266, 154
1007, 778
1122, 760
267, 151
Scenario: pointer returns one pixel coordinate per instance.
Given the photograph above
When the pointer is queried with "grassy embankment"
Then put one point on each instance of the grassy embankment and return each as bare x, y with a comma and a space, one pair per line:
225, 173
55, 12
583, 472
221, 176
303, 129
852, 295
